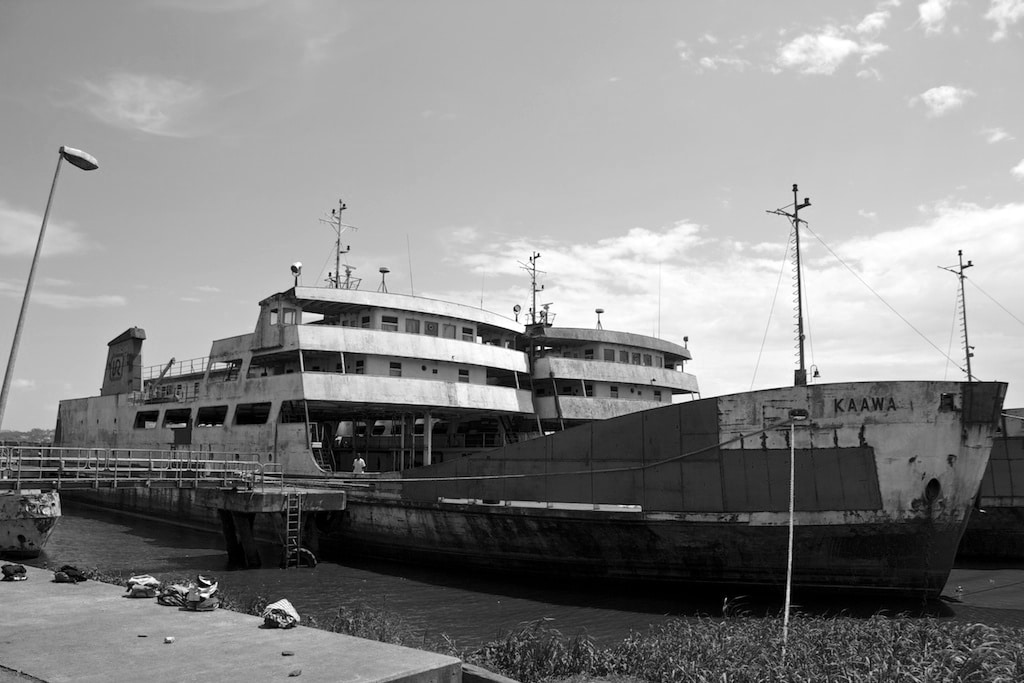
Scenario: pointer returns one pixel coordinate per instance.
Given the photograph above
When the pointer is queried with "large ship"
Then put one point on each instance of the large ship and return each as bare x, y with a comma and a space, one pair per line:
535, 449
996, 529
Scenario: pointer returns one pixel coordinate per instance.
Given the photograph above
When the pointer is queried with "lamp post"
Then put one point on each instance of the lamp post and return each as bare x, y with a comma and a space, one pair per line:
795, 415
86, 162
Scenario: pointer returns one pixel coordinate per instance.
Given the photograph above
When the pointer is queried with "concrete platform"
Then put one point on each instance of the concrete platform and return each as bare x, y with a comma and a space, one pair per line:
56, 632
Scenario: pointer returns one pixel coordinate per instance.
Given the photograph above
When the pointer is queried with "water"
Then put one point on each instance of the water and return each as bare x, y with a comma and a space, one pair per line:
470, 609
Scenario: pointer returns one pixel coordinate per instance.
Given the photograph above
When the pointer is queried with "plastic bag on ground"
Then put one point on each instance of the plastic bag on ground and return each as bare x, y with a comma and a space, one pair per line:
143, 586
202, 596
13, 572
280, 614
69, 574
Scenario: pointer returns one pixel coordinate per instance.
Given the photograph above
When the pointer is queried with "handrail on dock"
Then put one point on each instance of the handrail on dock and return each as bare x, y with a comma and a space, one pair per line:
56, 467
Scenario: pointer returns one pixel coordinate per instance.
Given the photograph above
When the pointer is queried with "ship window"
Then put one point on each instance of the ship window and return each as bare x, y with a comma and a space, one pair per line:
448, 331
395, 370
588, 389
364, 321
609, 355
648, 360
588, 354
464, 375
412, 325
657, 394
614, 390
636, 359
623, 356
288, 316
430, 328
252, 413
146, 419
211, 416
177, 418
389, 323
273, 316
567, 390
359, 367
467, 334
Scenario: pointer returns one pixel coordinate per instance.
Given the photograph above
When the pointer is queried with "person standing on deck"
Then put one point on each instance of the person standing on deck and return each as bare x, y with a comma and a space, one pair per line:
358, 465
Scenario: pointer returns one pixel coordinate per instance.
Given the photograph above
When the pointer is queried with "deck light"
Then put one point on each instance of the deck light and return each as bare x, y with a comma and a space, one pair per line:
86, 162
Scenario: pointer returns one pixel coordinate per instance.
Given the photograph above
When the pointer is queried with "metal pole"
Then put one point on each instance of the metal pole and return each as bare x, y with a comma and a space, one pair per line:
800, 378
9, 374
963, 301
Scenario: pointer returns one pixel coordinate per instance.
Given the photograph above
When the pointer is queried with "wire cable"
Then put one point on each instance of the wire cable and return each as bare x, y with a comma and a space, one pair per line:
882, 299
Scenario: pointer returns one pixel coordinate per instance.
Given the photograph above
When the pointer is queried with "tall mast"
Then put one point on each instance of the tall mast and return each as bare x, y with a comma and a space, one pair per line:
335, 222
532, 270
959, 272
800, 374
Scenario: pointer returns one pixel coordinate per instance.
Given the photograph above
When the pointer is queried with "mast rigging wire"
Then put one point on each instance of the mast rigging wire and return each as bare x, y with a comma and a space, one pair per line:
771, 311
882, 299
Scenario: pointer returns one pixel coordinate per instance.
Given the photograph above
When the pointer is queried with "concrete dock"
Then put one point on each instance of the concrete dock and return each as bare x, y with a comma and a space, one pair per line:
56, 632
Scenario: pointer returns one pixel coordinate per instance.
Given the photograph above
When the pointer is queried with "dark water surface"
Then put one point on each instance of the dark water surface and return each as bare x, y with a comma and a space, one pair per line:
468, 608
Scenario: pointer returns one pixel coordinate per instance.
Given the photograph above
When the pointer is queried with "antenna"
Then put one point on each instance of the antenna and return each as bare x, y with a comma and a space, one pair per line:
800, 375
335, 222
383, 274
959, 272
532, 270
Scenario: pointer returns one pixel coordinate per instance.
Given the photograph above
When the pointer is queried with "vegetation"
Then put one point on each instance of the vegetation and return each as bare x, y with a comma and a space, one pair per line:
42, 436
736, 648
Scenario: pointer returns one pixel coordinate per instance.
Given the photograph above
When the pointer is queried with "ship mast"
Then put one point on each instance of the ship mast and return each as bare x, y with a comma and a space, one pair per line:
959, 272
532, 270
800, 374
335, 222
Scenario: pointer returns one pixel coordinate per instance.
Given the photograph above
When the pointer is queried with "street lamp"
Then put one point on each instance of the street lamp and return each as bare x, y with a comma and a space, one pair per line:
86, 162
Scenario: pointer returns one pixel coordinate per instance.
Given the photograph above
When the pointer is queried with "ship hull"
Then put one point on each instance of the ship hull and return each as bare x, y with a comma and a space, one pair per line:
884, 480
27, 518
910, 558
996, 528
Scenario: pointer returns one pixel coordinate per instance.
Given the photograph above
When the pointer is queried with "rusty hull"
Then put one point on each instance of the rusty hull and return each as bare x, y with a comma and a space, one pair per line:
27, 517
886, 474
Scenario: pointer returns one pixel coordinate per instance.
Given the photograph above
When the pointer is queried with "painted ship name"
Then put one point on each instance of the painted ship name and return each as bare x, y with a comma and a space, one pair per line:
874, 404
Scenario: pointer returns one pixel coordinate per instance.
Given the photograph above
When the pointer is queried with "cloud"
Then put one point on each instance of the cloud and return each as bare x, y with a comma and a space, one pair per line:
148, 103
873, 23
943, 99
23, 384
994, 135
208, 288
75, 301
19, 232
724, 61
1018, 170
824, 52
932, 14
1004, 13
684, 279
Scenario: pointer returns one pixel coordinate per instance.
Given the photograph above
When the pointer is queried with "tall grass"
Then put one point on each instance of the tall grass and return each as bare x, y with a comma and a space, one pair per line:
749, 650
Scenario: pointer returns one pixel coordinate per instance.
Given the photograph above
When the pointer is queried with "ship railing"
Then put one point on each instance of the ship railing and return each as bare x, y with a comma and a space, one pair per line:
191, 366
56, 467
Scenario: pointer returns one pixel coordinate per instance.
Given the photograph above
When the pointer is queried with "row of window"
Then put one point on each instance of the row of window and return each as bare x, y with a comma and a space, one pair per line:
206, 416
613, 391
432, 328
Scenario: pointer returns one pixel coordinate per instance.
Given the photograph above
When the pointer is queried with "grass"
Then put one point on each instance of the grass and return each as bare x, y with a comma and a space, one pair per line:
736, 648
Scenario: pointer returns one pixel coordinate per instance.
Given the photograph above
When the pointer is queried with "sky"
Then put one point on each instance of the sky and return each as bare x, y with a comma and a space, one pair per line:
639, 148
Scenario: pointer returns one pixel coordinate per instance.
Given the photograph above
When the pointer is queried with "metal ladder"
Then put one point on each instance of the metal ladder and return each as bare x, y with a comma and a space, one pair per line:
292, 528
